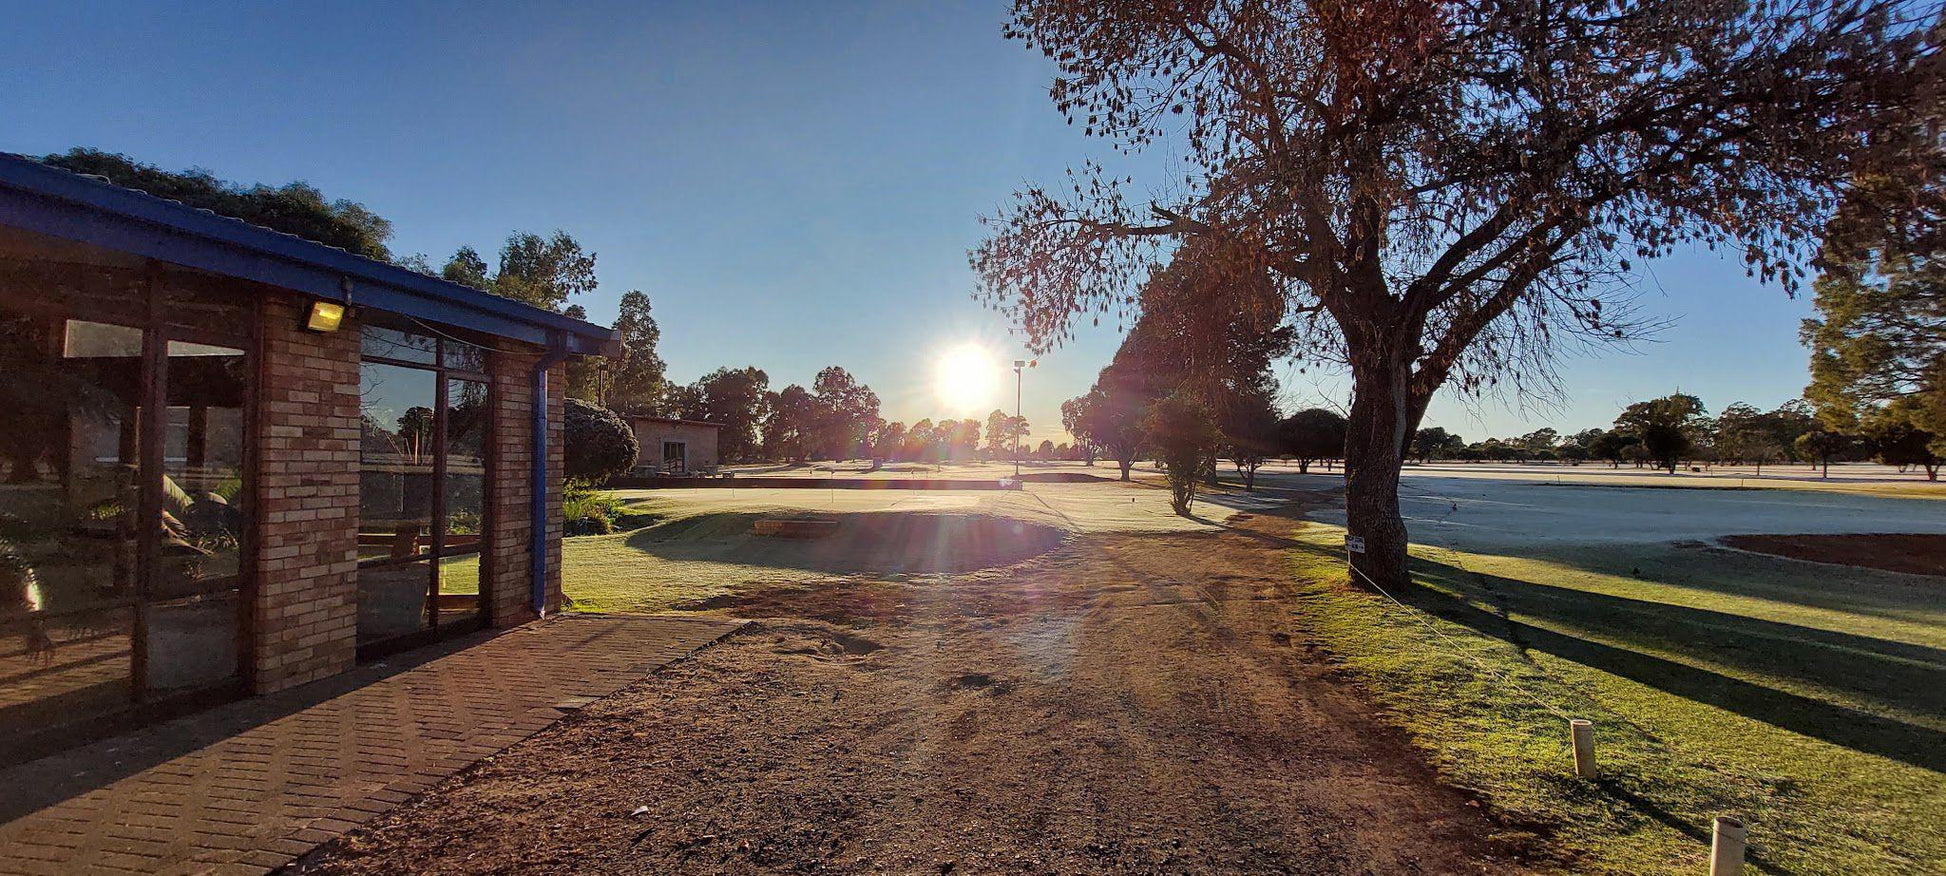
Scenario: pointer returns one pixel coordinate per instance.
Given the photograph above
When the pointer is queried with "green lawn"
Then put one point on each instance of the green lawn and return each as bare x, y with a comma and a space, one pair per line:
603, 573
1808, 700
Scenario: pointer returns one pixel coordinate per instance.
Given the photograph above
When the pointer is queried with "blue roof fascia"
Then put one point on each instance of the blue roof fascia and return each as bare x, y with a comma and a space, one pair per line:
57, 203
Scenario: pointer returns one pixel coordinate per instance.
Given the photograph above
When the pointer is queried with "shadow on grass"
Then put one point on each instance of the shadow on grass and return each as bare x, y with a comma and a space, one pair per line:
1703, 567
1897, 674
871, 542
1907, 676
1677, 823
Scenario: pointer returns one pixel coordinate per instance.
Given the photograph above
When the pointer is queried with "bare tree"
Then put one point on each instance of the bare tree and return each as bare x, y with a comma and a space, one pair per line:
1448, 191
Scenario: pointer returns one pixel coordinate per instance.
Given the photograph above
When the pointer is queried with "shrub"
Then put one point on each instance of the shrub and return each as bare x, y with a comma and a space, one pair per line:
588, 511
1183, 430
597, 443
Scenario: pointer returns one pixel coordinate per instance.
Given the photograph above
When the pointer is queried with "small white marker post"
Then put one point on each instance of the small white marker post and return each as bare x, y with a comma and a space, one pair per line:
1726, 848
1582, 731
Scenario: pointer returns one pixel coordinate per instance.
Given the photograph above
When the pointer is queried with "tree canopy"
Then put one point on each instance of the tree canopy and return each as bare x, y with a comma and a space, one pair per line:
1448, 191
1207, 329
847, 412
790, 430
1313, 434
467, 269
1435, 443
1878, 339
1666, 427
295, 208
1004, 431
1110, 416
739, 399
544, 271
637, 380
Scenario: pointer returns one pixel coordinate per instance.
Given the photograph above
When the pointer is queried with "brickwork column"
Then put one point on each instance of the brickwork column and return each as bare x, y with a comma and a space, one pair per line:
305, 619
506, 564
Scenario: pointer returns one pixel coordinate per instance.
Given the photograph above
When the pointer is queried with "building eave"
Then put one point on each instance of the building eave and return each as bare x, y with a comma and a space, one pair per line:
54, 202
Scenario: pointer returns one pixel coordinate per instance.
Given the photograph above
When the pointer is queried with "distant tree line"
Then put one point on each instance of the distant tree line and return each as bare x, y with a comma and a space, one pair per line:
1676, 431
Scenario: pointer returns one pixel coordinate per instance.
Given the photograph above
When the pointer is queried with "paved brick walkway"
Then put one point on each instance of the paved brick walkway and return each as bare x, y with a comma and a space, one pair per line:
251, 785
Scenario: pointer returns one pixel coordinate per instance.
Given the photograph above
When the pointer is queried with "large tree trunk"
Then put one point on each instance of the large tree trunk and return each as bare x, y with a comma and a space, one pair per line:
1383, 413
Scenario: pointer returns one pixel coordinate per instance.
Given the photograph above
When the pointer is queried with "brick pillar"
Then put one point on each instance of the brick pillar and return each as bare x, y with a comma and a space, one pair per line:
305, 620
509, 582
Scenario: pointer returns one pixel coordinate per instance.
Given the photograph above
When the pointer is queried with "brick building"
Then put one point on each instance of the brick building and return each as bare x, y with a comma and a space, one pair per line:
233, 461
675, 447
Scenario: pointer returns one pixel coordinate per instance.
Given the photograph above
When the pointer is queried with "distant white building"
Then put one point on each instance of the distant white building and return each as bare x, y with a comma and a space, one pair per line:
675, 447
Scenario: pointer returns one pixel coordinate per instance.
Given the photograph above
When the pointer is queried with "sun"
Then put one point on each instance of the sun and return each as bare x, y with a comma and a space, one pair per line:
965, 378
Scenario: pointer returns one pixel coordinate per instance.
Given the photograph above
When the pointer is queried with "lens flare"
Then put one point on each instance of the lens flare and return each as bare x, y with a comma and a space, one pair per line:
965, 379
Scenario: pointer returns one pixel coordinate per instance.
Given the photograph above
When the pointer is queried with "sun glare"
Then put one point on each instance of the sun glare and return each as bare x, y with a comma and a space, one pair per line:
965, 379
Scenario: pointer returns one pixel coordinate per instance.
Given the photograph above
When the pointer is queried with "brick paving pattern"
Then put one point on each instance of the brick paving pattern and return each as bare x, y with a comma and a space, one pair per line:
250, 786
71, 666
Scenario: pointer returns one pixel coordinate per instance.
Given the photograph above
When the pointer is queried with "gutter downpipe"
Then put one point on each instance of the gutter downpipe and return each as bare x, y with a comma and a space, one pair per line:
537, 520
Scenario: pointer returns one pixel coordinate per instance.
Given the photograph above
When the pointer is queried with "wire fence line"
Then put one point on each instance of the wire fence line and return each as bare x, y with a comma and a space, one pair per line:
1457, 650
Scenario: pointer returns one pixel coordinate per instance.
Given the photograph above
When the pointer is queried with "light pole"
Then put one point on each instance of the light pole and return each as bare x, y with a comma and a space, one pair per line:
1019, 365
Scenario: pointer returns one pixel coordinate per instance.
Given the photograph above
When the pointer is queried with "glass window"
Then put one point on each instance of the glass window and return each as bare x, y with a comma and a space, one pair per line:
396, 481
194, 596
465, 494
395, 460
422, 495
95, 340
462, 356
69, 494
378, 342
123, 515
392, 600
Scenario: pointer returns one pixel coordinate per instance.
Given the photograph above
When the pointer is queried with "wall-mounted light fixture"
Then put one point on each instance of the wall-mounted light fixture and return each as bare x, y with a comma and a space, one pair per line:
329, 316
324, 316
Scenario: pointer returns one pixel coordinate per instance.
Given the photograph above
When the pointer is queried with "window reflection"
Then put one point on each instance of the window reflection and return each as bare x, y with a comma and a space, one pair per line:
465, 493
396, 460
422, 489
378, 342
123, 517
395, 496
192, 621
462, 356
68, 502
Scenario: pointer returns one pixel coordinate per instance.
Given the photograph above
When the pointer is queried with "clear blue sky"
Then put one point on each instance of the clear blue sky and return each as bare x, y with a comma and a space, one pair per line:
794, 185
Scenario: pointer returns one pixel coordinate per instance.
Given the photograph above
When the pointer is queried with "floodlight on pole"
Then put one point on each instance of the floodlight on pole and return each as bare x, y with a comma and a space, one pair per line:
1019, 366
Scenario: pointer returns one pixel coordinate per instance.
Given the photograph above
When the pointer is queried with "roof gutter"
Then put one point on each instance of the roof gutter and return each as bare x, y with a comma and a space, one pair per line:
537, 524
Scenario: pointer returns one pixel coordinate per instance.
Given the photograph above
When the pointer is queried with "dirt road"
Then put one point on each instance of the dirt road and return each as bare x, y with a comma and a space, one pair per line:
1122, 704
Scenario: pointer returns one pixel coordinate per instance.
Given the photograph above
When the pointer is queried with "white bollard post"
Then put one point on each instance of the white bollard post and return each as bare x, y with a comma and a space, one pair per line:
1583, 732
1726, 849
